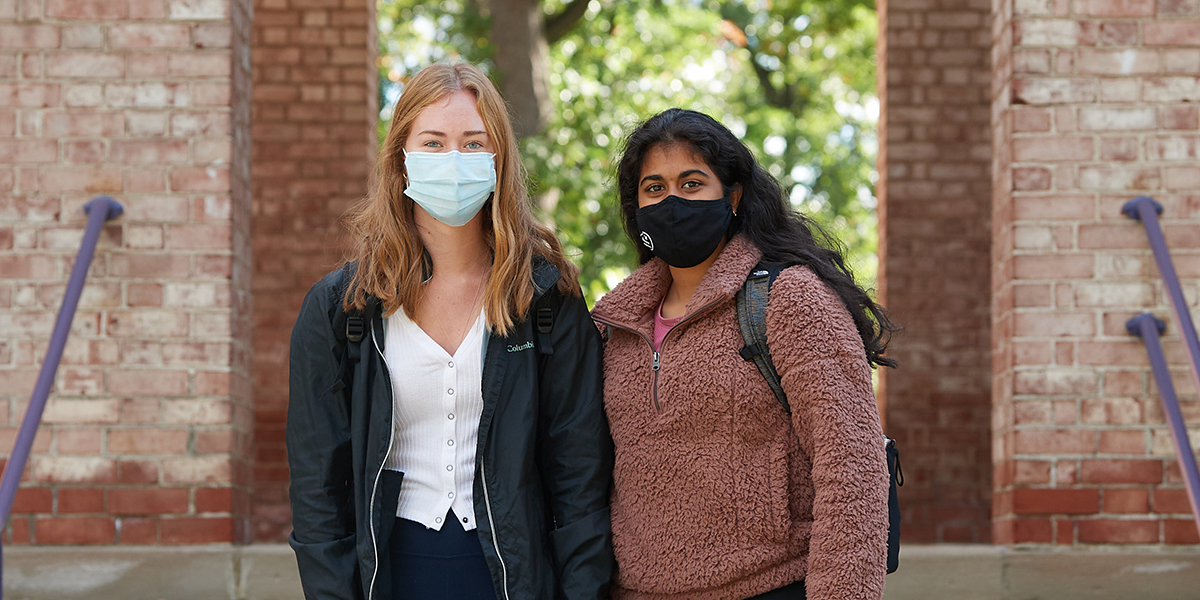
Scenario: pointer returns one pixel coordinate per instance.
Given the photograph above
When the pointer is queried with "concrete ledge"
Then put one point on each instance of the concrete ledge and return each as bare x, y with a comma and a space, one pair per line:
259, 572
978, 572
936, 572
947, 571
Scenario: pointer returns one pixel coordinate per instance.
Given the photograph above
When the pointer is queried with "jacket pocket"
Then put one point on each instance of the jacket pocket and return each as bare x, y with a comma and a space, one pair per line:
584, 550
329, 570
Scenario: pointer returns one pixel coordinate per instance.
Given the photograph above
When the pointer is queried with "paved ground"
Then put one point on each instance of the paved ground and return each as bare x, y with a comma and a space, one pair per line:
942, 572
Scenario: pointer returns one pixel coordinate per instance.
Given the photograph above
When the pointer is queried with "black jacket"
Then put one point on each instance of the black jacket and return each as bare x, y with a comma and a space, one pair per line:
543, 465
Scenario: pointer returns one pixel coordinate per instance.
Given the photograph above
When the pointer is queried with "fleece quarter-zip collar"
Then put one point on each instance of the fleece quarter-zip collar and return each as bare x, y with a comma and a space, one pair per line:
633, 302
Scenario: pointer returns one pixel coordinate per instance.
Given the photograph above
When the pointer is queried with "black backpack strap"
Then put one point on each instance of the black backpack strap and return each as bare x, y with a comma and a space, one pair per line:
349, 328
545, 281
543, 322
752, 320
896, 479
356, 329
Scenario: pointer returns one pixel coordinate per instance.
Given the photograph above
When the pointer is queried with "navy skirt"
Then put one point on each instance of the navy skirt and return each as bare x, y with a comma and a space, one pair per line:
438, 565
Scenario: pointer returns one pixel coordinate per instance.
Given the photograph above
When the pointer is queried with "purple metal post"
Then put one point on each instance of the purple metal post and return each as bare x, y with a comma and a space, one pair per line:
1148, 327
99, 210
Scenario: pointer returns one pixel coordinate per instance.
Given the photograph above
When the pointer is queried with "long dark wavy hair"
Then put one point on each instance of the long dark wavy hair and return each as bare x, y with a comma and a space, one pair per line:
783, 235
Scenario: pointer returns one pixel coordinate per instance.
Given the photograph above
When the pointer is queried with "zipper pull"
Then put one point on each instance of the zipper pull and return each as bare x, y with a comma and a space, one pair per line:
656, 356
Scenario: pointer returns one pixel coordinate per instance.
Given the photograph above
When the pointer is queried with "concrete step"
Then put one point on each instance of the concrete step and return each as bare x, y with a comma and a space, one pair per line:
219, 572
981, 572
934, 572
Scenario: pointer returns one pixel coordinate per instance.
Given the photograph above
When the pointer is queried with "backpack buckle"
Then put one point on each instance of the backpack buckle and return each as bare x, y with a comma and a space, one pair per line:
355, 329
545, 320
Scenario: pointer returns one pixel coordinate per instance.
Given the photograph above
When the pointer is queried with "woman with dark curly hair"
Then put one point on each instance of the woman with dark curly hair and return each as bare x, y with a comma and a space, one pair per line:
720, 491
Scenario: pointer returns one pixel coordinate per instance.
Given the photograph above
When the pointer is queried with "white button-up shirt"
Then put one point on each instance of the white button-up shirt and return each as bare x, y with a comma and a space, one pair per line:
435, 418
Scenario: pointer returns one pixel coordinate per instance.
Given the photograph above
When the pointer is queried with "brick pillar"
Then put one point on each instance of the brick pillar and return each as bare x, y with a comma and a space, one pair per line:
315, 109
146, 436
1095, 103
934, 240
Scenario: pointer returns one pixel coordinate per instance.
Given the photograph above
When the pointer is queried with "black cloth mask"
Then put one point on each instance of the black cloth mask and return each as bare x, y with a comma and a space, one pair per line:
684, 232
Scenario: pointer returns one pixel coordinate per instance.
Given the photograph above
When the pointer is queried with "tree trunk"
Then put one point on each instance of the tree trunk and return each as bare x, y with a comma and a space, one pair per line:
522, 56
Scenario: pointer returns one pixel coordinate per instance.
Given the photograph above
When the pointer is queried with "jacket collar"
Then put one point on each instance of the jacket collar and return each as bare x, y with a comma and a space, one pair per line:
635, 299
545, 275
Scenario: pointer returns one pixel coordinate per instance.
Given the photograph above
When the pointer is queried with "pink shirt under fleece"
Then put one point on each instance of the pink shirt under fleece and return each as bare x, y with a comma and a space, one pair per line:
662, 325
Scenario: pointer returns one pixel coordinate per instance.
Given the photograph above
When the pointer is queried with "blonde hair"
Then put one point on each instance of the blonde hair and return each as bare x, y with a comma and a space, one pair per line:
389, 252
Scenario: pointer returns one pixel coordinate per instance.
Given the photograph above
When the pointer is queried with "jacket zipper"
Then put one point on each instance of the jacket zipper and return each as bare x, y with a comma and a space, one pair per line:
657, 357
657, 363
481, 459
487, 501
654, 385
375, 486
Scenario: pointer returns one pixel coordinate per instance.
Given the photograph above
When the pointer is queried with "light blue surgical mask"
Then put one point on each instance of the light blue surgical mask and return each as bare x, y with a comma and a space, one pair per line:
450, 186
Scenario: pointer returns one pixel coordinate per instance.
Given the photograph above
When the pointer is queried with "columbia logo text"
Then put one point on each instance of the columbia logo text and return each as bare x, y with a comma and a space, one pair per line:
518, 348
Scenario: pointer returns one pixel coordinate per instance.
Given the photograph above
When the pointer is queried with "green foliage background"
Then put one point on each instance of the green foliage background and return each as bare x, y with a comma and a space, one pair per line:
795, 79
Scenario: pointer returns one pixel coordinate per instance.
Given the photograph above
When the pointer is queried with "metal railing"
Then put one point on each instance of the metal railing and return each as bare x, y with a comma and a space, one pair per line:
1149, 328
99, 210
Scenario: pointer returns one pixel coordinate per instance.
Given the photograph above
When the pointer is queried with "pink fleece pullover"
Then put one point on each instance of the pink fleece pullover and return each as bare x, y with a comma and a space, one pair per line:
718, 493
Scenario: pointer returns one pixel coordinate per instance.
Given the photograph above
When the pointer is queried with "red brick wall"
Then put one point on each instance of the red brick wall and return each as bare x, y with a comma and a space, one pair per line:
935, 242
313, 129
1095, 103
146, 436
1005, 256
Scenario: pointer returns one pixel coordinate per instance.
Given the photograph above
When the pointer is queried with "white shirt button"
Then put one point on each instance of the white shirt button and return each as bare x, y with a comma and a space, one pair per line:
450, 416
450, 391
449, 467
449, 442
450, 364
464, 519
450, 495
437, 520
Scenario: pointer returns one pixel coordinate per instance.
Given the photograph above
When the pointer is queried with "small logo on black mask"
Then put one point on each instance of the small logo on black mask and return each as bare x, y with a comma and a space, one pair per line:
647, 242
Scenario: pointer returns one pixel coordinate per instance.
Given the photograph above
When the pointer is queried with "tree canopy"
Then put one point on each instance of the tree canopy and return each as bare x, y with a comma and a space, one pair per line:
795, 79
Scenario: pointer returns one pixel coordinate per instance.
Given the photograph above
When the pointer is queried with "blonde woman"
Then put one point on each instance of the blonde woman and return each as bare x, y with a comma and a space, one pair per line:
458, 447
